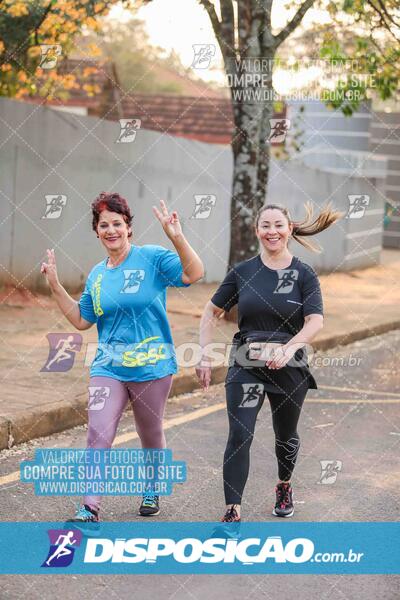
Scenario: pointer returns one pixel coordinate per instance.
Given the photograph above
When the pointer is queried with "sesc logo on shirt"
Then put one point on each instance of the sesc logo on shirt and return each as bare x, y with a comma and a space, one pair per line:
145, 353
133, 279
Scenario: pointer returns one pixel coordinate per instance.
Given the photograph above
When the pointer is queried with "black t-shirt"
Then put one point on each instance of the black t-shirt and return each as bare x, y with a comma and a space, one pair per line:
273, 301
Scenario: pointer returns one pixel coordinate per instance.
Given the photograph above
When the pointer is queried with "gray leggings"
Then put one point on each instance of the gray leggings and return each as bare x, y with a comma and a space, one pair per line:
107, 401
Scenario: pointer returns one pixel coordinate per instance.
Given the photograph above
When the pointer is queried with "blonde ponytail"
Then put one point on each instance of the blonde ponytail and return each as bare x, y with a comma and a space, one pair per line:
312, 226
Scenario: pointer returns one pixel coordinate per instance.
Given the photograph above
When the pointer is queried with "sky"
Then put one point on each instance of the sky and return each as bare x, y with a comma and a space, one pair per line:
173, 25
178, 24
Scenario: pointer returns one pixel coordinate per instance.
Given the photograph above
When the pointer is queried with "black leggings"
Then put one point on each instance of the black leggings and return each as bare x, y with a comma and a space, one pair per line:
244, 401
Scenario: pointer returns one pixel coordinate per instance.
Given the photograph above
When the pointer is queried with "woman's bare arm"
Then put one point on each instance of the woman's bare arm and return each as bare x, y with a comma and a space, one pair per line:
68, 306
208, 321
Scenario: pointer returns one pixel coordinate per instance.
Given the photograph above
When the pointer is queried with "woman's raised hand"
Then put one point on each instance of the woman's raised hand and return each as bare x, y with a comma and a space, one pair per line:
49, 269
170, 222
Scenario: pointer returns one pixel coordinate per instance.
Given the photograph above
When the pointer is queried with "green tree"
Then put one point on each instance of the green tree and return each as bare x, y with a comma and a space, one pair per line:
137, 64
366, 36
27, 25
249, 46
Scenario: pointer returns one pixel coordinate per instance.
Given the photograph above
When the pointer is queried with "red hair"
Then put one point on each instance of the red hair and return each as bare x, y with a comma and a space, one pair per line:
114, 203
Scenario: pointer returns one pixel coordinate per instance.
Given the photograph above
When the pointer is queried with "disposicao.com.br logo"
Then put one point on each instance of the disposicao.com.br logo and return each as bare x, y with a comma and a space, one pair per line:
202, 548
247, 551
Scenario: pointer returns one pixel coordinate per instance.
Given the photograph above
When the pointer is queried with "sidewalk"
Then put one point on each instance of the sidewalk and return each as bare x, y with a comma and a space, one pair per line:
357, 304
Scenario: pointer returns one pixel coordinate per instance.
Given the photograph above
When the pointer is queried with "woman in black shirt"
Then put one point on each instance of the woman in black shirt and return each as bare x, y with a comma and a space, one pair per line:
280, 311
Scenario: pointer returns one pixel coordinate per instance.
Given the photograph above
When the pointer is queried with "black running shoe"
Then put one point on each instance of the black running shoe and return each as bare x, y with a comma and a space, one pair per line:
229, 526
150, 506
284, 500
86, 518
231, 516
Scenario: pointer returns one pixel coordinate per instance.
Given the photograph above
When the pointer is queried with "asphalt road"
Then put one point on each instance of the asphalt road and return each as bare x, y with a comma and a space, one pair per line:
353, 418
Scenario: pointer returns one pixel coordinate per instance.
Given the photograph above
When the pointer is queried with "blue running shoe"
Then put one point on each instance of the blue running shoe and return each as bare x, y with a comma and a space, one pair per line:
86, 518
150, 506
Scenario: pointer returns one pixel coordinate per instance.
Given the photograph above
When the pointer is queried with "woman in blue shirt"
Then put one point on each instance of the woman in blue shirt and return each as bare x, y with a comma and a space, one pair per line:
125, 295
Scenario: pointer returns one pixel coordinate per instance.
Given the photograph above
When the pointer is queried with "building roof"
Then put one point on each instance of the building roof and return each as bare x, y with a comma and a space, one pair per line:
195, 117
206, 117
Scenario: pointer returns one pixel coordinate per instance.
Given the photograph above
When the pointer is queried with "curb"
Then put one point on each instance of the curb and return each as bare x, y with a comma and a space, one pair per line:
56, 417
4, 433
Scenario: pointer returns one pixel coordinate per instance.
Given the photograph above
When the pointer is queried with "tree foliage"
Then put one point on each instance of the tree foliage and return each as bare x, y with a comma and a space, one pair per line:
26, 26
138, 64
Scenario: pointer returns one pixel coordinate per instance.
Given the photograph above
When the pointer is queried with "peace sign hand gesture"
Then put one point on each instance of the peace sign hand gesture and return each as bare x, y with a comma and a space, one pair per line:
170, 222
50, 269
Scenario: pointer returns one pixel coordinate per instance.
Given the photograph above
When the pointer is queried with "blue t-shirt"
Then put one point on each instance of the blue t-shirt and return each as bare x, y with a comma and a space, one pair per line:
128, 304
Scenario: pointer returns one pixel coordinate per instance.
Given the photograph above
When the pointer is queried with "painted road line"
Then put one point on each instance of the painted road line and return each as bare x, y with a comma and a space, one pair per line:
126, 437
350, 401
358, 391
10, 478
192, 416
202, 412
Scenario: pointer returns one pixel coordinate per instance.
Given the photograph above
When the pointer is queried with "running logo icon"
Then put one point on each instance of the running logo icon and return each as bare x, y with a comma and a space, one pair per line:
98, 396
61, 352
62, 547
203, 205
49, 55
203, 53
287, 279
129, 128
54, 205
133, 279
279, 129
357, 205
329, 471
252, 394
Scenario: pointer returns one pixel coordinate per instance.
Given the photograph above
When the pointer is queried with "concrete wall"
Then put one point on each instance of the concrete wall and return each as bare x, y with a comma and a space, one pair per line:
321, 126
351, 242
385, 139
47, 152
43, 151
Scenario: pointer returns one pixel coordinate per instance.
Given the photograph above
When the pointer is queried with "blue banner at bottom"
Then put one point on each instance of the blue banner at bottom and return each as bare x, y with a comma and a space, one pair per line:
201, 548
